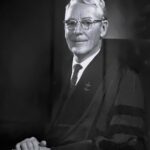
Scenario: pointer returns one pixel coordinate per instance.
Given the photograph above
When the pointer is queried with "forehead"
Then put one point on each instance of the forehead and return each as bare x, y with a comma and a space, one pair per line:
80, 10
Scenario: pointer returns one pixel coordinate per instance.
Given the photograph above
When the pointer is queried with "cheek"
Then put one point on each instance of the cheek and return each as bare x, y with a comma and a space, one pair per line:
68, 40
95, 36
67, 35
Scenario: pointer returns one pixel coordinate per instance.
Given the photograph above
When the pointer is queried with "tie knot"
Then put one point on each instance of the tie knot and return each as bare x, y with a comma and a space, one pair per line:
77, 67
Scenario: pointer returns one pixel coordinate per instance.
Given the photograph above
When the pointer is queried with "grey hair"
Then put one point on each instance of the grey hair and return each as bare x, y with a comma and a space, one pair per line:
100, 4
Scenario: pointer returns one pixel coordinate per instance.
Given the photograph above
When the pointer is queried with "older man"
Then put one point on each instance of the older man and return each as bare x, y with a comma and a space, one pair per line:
101, 105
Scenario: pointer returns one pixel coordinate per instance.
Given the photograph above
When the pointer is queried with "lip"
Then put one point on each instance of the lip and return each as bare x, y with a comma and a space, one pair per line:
79, 41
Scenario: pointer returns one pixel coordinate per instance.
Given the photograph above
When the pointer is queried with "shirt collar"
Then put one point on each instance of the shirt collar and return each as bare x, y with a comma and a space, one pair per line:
86, 62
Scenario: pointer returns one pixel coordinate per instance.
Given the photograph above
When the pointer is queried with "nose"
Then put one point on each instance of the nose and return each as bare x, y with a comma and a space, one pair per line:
78, 28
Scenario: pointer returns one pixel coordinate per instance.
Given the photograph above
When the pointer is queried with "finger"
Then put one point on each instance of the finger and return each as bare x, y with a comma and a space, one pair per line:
35, 143
18, 146
29, 145
33, 138
24, 146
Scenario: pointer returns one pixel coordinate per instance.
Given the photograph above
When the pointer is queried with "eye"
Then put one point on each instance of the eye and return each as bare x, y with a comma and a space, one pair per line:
71, 22
87, 22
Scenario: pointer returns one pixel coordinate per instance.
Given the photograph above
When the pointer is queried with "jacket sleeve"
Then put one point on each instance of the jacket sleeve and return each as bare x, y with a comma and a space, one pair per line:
126, 123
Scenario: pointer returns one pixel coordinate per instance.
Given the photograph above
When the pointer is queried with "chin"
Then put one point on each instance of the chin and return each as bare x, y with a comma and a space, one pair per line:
79, 50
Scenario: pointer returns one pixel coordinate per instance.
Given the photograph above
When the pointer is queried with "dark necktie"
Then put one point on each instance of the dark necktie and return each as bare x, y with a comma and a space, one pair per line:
77, 67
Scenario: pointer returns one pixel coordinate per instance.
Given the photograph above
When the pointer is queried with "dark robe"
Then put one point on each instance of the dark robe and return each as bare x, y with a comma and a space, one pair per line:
104, 111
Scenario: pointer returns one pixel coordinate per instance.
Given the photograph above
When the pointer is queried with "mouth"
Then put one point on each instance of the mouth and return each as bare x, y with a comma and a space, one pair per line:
79, 41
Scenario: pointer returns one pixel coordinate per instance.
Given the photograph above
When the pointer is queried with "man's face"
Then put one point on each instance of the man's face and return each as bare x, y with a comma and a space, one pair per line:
82, 42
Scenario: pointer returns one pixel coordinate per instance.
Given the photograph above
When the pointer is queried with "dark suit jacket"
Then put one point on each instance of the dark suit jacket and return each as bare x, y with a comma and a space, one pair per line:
104, 111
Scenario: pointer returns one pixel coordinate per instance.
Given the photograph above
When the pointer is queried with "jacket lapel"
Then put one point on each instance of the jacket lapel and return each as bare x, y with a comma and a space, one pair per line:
80, 98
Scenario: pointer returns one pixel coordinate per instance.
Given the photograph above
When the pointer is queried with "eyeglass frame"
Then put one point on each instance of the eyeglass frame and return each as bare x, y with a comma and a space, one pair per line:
93, 21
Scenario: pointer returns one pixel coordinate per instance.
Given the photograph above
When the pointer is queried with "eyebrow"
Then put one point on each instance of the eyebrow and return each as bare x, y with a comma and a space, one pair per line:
81, 18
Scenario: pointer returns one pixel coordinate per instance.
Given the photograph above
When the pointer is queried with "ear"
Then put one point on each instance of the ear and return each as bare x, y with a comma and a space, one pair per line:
104, 27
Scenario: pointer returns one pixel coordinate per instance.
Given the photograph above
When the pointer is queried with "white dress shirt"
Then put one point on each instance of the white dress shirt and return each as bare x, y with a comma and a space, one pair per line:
84, 64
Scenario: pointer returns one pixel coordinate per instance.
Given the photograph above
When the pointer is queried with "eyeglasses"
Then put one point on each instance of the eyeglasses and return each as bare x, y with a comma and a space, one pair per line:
86, 24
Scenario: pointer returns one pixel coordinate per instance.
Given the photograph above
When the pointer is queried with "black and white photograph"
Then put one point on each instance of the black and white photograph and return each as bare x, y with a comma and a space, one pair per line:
75, 75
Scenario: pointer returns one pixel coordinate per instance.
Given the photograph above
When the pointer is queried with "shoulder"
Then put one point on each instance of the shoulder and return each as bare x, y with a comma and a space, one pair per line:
130, 75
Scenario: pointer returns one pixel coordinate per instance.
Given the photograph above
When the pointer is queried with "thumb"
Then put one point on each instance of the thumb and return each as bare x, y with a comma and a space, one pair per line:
43, 143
